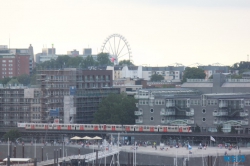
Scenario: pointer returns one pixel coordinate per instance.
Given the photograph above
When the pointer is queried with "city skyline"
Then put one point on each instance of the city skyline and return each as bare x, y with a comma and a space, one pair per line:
159, 32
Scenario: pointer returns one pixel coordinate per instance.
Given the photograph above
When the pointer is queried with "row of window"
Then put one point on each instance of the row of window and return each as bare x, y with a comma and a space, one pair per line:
7, 68
6, 60
7, 73
7, 65
192, 102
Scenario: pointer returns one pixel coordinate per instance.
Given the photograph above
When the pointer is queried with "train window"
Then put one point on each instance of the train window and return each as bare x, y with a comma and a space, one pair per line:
131, 127
86, 126
160, 127
147, 127
176, 128
155, 127
77, 126
144, 127
91, 126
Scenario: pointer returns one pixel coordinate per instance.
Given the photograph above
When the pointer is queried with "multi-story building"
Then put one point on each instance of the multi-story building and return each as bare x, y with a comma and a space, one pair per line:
210, 70
190, 107
19, 104
75, 93
206, 103
170, 73
15, 62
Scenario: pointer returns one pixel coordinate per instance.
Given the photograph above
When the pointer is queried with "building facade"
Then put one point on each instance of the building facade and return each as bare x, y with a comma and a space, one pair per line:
190, 107
15, 62
19, 104
78, 106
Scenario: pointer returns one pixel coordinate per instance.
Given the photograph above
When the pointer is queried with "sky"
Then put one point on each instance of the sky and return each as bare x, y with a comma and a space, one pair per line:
159, 32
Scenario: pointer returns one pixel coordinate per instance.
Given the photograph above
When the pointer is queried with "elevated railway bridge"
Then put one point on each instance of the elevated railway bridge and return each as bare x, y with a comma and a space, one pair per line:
125, 137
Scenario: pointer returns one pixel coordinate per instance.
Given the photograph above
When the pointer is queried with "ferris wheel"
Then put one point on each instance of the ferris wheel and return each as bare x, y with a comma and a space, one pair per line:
117, 47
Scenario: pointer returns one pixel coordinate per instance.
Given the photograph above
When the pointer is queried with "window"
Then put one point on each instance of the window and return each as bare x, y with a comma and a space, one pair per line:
204, 111
10, 61
152, 118
151, 110
10, 68
203, 119
3, 60
10, 64
3, 64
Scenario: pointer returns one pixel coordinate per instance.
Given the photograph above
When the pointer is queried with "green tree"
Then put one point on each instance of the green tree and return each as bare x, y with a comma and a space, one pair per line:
219, 128
233, 130
24, 79
116, 109
76, 62
5, 80
103, 59
156, 77
13, 134
197, 129
13, 81
193, 73
126, 62
89, 61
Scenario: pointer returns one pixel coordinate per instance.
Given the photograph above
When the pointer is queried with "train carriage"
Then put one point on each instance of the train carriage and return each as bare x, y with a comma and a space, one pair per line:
145, 128
104, 127
113, 127
64, 126
128, 128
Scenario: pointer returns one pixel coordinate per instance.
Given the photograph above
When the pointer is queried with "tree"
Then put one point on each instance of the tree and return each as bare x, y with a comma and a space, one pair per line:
89, 61
24, 79
197, 129
103, 59
5, 80
13, 81
116, 109
193, 73
126, 62
233, 130
156, 77
219, 128
12, 135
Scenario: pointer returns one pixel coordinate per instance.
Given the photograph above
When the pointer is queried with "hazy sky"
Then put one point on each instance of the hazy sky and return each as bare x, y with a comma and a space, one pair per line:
160, 32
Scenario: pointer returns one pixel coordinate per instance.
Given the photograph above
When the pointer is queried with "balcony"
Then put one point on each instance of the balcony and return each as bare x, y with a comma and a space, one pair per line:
190, 121
166, 121
221, 105
170, 104
141, 97
137, 121
138, 113
244, 122
243, 114
220, 113
189, 113
167, 113
216, 122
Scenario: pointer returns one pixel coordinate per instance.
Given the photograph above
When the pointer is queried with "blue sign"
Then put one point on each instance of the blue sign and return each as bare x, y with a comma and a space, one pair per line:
72, 90
54, 112
239, 158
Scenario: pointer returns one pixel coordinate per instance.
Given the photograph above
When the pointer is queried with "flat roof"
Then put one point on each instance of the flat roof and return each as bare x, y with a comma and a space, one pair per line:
18, 159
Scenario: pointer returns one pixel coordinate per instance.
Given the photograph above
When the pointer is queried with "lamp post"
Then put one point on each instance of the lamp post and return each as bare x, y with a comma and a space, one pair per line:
35, 155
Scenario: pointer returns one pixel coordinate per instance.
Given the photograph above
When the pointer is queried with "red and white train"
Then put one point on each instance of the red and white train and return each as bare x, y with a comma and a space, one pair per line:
104, 127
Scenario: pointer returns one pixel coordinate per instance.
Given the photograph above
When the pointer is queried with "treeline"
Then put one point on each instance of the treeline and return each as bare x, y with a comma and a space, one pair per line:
62, 62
